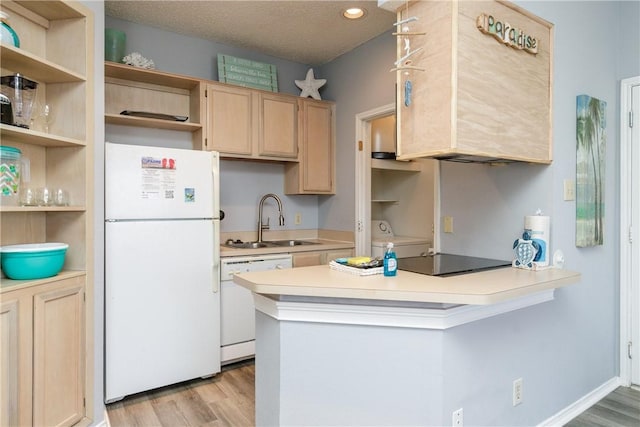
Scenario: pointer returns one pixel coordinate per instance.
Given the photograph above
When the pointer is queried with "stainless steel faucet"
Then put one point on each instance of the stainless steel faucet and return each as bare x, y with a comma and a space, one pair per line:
261, 226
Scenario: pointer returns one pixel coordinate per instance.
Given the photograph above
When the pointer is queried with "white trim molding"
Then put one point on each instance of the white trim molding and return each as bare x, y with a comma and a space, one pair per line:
626, 216
582, 404
363, 175
408, 316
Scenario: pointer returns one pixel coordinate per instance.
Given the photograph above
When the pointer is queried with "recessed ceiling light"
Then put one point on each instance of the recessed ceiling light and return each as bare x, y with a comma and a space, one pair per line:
353, 13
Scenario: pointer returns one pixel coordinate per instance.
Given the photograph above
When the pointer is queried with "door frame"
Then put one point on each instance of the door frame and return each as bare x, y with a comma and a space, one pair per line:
362, 230
363, 175
628, 269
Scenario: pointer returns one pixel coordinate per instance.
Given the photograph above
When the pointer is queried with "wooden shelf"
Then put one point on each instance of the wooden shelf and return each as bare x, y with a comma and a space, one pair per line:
43, 11
117, 119
42, 209
128, 72
383, 201
34, 137
10, 285
37, 68
396, 165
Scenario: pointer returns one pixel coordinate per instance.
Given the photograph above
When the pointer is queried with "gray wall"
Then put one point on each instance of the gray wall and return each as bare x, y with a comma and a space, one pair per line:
358, 81
177, 53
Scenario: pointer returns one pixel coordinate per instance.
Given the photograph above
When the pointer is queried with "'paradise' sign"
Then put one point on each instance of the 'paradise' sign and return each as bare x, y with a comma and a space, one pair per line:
505, 33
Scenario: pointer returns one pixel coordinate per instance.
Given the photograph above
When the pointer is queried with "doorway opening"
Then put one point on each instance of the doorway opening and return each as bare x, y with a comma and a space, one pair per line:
406, 192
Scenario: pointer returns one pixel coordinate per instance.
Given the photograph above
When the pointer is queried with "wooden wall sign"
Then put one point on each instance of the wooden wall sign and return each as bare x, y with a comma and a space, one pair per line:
504, 33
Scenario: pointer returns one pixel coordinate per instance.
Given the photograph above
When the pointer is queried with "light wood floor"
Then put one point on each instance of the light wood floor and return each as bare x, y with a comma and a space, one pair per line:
620, 408
224, 400
228, 400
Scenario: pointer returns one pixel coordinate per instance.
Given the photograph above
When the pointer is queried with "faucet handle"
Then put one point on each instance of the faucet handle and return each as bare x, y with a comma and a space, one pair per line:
265, 226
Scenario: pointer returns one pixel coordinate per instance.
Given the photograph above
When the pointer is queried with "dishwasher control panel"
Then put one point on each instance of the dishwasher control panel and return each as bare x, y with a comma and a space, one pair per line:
247, 264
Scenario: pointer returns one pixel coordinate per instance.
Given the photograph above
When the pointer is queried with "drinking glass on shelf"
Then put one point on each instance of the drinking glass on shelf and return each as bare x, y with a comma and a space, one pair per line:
60, 197
36, 122
44, 196
47, 116
28, 197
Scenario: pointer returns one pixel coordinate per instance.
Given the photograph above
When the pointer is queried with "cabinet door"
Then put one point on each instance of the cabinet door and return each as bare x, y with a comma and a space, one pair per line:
278, 126
9, 363
315, 172
305, 259
231, 122
318, 156
58, 351
338, 253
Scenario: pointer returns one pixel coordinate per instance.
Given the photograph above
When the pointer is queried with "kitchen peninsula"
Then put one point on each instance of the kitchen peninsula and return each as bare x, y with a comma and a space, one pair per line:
334, 348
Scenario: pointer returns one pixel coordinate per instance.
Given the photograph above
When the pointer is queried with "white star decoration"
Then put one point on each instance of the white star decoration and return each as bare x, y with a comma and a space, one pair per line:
310, 85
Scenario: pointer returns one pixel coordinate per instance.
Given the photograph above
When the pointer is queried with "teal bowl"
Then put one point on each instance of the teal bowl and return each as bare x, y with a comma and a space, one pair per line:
32, 261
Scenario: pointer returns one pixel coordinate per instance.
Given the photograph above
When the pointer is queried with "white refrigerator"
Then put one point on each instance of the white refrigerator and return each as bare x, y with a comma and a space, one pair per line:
162, 260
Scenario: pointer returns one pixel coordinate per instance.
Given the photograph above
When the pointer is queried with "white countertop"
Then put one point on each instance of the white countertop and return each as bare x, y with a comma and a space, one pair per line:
487, 287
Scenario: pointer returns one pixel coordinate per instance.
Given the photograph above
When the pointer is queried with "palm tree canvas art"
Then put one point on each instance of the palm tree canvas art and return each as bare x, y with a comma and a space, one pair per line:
591, 139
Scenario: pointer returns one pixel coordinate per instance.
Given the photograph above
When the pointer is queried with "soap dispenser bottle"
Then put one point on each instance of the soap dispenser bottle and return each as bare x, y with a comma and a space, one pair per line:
390, 261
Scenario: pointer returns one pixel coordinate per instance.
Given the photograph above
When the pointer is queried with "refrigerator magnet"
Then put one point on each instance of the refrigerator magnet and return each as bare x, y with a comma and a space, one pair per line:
189, 195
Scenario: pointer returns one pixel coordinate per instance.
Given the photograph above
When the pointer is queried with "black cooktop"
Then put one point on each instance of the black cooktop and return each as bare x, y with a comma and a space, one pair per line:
448, 265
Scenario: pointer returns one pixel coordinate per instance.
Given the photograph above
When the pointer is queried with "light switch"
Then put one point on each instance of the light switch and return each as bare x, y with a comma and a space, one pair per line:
569, 189
448, 224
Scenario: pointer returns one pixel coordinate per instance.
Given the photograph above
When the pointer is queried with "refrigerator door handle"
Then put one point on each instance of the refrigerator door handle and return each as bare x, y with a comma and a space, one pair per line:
216, 275
216, 256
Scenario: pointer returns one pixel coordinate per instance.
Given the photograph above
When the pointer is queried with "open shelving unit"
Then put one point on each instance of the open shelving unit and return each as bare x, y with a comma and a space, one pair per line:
47, 324
138, 89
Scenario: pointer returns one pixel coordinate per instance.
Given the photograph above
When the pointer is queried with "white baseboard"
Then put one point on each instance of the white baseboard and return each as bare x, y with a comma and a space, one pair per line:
582, 404
105, 422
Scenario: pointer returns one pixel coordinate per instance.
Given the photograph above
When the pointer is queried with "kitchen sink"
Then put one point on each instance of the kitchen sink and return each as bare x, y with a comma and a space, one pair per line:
292, 242
236, 244
249, 245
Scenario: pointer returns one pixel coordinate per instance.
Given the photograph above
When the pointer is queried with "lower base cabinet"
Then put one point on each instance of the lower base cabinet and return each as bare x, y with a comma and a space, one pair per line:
305, 259
42, 330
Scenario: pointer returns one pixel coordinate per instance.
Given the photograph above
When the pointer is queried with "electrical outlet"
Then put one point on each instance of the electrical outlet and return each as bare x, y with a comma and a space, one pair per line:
569, 190
298, 219
517, 391
456, 418
448, 224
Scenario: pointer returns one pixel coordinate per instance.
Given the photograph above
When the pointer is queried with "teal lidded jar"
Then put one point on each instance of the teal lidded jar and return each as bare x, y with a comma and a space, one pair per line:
9, 176
8, 36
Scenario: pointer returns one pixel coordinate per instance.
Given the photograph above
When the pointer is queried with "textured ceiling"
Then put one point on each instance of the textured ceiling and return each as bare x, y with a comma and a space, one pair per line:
310, 32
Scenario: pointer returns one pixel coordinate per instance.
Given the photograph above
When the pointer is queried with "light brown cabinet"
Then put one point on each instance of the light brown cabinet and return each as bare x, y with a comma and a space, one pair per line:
315, 173
248, 123
42, 330
305, 259
45, 376
480, 97
238, 122
133, 89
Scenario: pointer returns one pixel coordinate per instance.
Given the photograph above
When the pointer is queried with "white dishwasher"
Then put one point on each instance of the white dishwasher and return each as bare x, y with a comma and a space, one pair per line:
237, 310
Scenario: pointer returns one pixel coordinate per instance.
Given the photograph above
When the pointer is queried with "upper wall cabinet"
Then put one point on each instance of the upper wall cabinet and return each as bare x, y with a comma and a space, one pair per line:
479, 85
139, 92
238, 122
253, 124
315, 173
